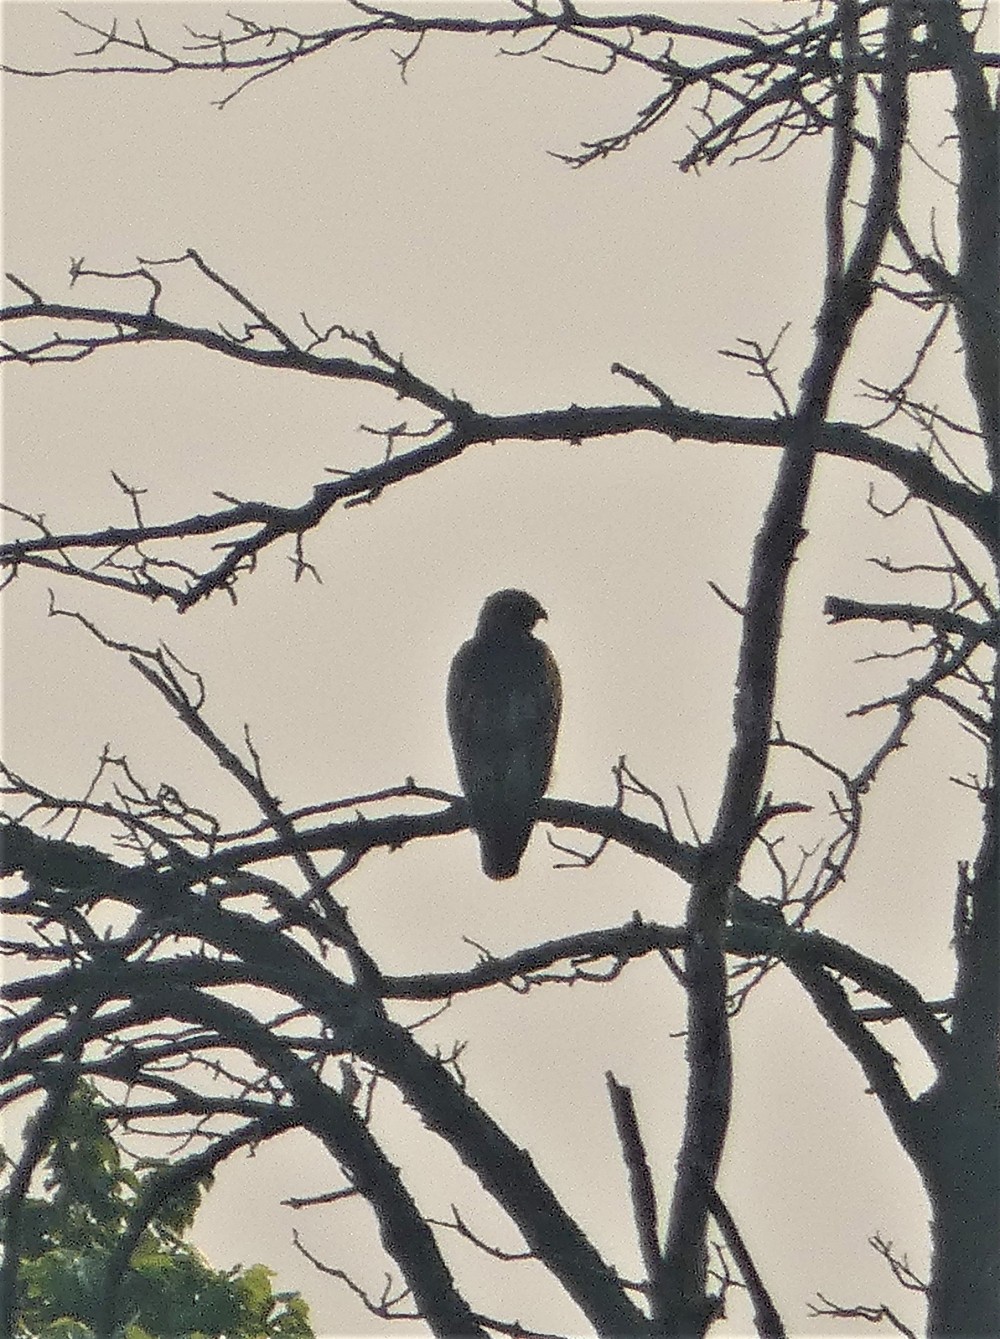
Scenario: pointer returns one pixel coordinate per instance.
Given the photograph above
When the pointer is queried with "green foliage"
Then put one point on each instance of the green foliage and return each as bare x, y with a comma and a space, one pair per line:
168, 1291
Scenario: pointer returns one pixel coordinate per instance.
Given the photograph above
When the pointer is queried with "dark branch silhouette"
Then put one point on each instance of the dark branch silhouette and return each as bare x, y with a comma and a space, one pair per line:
127, 951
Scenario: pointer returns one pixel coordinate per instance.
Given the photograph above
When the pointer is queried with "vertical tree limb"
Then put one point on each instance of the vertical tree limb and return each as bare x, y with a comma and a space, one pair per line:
848, 291
643, 1194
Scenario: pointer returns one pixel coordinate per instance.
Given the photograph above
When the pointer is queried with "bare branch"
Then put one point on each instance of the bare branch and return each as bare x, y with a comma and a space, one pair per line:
644, 1208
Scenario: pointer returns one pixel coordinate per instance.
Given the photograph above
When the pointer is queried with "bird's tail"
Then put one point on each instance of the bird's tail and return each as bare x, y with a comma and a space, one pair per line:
501, 852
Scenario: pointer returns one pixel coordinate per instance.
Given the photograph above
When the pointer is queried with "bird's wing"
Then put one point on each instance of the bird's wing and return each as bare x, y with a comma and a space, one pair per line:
503, 713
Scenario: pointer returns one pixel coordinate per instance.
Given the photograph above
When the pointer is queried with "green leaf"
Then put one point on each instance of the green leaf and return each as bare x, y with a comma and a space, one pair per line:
169, 1289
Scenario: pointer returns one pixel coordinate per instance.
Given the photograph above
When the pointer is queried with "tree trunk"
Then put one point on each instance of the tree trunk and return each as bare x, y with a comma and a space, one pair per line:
964, 1188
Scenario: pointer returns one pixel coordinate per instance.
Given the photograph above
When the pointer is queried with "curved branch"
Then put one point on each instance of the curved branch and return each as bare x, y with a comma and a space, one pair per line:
756, 930
877, 1063
507, 1172
359, 1026
134, 327
160, 1186
405, 1233
921, 478
624, 943
456, 427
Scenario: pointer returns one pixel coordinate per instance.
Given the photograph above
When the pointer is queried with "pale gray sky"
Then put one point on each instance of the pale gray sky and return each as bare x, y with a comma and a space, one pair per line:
432, 214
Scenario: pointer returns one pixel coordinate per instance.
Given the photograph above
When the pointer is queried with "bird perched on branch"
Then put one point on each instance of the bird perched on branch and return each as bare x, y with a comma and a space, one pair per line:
504, 697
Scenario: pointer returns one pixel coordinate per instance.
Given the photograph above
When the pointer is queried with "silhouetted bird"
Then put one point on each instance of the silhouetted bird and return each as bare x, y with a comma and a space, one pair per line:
504, 697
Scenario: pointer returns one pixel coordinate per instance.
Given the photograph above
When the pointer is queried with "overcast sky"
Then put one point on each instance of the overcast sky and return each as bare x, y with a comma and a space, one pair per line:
433, 214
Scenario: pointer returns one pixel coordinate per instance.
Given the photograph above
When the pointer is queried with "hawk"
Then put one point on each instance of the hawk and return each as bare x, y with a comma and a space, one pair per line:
504, 697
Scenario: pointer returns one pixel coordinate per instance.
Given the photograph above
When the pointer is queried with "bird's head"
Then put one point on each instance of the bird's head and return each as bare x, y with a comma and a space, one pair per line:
510, 611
